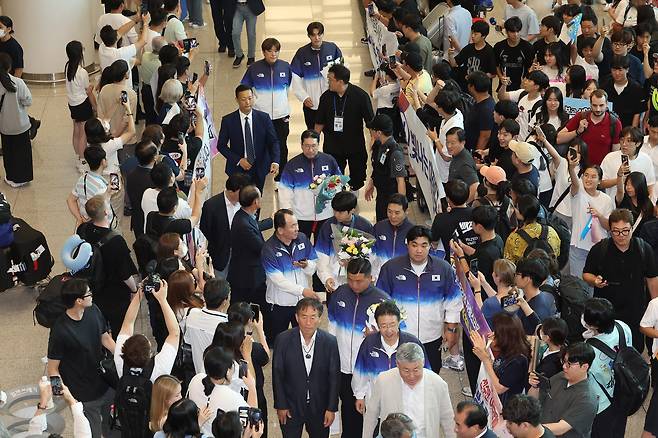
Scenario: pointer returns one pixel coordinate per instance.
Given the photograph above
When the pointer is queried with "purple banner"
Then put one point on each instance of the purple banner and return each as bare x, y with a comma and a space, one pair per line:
472, 317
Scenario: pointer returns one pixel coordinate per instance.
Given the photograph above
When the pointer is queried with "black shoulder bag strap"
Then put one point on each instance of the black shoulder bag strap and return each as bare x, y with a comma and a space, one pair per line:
559, 200
523, 234
605, 349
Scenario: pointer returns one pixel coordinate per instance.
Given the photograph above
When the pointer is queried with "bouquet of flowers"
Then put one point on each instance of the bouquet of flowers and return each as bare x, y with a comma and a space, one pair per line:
325, 188
351, 243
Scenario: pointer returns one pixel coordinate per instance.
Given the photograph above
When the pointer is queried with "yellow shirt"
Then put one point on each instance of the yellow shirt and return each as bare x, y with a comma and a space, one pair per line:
515, 246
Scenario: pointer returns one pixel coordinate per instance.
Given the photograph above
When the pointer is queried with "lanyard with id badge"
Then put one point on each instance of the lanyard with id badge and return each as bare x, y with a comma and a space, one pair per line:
338, 118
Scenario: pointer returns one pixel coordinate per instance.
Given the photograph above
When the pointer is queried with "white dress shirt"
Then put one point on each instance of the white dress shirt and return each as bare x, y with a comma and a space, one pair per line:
231, 209
243, 117
308, 362
199, 330
413, 400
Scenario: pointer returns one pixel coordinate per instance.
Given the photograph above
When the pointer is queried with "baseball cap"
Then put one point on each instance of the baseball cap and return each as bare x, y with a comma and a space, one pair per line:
383, 123
414, 61
494, 174
523, 150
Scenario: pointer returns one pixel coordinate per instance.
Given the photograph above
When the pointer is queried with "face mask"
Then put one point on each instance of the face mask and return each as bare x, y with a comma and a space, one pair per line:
588, 333
183, 250
2, 33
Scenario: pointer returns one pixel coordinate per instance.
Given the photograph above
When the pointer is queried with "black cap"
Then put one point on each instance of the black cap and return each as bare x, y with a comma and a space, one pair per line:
383, 123
414, 61
410, 47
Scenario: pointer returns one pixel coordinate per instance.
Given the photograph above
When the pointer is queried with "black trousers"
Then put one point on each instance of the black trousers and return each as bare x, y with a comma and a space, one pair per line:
433, 351
222, 17
609, 424
280, 318
309, 117
149, 105
17, 151
282, 128
351, 419
314, 425
357, 160
312, 228
381, 204
471, 362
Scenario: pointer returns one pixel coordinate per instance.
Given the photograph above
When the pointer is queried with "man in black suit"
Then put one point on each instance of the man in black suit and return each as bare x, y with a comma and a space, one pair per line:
246, 274
306, 351
471, 421
216, 218
248, 140
138, 181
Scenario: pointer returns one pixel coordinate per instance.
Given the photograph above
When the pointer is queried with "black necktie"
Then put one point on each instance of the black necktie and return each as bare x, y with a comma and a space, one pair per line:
249, 142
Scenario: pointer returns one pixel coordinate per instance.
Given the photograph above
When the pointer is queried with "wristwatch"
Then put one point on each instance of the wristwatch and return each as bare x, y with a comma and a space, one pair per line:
43, 408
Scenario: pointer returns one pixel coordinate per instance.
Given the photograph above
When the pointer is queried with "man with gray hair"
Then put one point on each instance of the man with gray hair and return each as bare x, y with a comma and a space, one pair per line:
149, 65
397, 425
410, 389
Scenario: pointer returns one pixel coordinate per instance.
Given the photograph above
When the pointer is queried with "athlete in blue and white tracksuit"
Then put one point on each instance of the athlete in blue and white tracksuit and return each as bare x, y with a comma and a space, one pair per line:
270, 83
429, 300
349, 315
391, 242
373, 358
310, 80
328, 264
286, 282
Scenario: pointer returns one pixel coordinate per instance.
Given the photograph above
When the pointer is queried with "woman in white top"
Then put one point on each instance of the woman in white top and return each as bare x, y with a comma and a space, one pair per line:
15, 126
553, 68
81, 98
590, 209
212, 390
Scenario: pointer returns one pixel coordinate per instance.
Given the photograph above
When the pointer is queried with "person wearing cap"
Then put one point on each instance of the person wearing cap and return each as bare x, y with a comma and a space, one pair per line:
388, 166
411, 26
522, 157
495, 192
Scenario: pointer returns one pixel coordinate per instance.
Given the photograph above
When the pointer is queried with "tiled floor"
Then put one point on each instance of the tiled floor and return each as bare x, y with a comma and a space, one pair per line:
42, 203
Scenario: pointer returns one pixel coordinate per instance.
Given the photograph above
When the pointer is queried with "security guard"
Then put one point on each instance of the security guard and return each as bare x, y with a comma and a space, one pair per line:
388, 166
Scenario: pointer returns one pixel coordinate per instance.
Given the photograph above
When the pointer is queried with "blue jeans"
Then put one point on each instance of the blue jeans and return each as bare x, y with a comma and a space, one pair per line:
242, 14
577, 258
183, 9
195, 9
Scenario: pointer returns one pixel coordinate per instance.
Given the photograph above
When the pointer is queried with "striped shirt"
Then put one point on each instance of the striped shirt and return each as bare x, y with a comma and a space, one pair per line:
89, 185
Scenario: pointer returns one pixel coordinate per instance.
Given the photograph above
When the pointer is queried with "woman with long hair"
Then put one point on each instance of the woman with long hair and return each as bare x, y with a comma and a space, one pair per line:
15, 126
81, 98
183, 419
554, 68
590, 86
165, 392
228, 425
503, 277
509, 371
182, 294
633, 194
552, 109
213, 388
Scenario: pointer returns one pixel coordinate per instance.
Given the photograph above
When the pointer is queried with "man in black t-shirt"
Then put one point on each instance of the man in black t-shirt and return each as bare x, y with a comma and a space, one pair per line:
342, 111
458, 222
75, 348
162, 221
479, 123
514, 55
118, 268
476, 56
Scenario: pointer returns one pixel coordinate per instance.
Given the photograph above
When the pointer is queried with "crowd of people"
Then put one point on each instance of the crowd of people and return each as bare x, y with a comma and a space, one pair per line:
549, 221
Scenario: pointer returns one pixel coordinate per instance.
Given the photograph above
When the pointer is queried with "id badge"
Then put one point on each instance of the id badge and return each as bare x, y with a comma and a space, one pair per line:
338, 124
382, 158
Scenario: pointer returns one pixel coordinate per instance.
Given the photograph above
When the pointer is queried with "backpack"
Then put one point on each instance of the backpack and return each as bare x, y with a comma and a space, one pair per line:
6, 225
540, 242
570, 295
630, 371
503, 225
49, 302
614, 118
132, 402
564, 233
535, 108
145, 247
94, 271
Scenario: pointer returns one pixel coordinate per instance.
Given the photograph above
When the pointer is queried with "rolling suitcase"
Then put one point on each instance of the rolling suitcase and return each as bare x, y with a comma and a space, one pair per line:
30, 253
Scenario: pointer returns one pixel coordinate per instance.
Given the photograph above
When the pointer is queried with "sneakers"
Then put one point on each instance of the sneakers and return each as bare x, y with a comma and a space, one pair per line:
466, 391
250, 61
455, 363
231, 53
197, 26
13, 184
34, 127
237, 61
221, 49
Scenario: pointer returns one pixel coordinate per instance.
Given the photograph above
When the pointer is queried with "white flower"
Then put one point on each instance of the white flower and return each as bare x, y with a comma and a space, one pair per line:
342, 255
365, 251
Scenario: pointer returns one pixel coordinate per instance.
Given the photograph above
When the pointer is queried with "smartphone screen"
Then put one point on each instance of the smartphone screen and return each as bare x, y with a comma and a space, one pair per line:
114, 181
200, 172
392, 61
573, 154
56, 385
195, 76
206, 68
473, 266
242, 372
509, 300
384, 49
124, 96
255, 308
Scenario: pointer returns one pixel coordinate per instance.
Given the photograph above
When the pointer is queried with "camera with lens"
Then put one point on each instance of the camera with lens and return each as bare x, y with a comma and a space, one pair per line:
250, 416
151, 282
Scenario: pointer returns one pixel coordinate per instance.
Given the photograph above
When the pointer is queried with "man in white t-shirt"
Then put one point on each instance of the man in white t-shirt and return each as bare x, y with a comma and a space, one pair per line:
108, 51
530, 29
132, 349
174, 29
163, 177
117, 20
630, 141
650, 145
528, 97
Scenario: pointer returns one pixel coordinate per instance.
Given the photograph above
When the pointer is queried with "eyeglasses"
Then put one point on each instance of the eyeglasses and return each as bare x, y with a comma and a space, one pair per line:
619, 44
86, 295
567, 364
625, 232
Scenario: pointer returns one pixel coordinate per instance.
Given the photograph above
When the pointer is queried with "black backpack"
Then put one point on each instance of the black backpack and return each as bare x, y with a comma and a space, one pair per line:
94, 272
145, 247
630, 371
570, 295
503, 225
540, 242
535, 108
49, 302
132, 402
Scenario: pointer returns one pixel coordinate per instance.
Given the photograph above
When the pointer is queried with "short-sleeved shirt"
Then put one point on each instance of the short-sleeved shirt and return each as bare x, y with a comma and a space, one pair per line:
576, 404
487, 253
528, 19
462, 166
641, 163
628, 103
597, 135
580, 218
12, 48
89, 185
174, 30
76, 90
512, 373
222, 397
391, 152
356, 109
625, 273
77, 345
540, 51
471, 59
515, 61
157, 225
163, 362
650, 319
446, 223
479, 119
527, 110
532, 176
515, 246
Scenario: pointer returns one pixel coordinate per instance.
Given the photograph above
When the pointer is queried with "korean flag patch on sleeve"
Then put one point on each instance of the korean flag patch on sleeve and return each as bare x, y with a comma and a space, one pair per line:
436, 277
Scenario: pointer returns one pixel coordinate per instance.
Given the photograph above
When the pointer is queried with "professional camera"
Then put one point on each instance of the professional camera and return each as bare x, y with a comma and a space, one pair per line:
250, 416
151, 283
